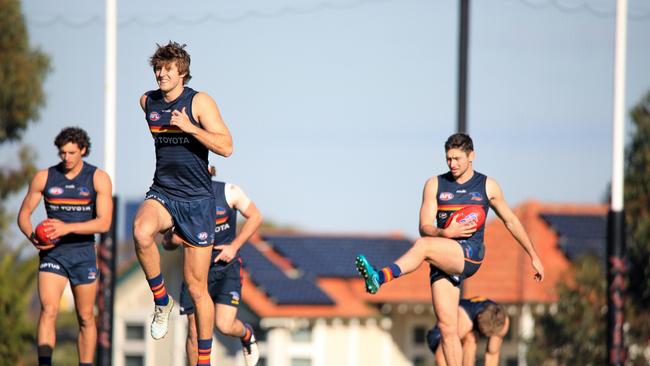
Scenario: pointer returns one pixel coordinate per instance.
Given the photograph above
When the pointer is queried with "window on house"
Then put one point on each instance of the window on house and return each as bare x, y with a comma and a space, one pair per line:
420, 335
135, 332
419, 361
134, 360
512, 362
300, 362
301, 335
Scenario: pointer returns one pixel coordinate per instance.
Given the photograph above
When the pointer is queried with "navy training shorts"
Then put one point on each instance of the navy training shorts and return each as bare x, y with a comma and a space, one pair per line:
473, 252
224, 286
194, 221
77, 262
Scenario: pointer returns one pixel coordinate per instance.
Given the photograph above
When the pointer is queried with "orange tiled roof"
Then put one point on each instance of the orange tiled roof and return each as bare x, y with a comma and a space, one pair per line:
506, 274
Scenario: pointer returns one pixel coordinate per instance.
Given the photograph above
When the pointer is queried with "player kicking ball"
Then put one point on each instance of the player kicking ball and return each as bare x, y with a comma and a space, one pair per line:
454, 247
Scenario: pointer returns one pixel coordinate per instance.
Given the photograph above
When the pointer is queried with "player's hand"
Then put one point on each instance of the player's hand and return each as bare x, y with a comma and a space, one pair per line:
228, 253
181, 120
459, 230
539, 269
37, 244
171, 240
55, 229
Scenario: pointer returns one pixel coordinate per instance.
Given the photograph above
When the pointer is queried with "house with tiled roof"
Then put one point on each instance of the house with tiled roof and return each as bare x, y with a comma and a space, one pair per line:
308, 306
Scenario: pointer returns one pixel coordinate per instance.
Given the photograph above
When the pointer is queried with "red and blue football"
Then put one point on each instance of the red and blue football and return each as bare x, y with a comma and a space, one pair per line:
468, 214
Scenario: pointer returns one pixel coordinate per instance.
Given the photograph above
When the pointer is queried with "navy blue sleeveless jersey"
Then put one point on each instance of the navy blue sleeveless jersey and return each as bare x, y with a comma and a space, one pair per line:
226, 222
474, 306
71, 200
181, 160
453, 197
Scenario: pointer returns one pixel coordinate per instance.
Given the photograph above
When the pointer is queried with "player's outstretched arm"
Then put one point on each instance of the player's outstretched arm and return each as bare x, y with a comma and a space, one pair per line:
499, 205
213, 132
103, 209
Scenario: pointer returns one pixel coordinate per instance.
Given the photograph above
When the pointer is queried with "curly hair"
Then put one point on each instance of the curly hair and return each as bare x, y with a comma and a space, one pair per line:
171, 52
459, 141
74, 135
491, 319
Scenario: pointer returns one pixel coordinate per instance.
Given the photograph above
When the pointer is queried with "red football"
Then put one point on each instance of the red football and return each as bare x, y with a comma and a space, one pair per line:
41, 234
473, 214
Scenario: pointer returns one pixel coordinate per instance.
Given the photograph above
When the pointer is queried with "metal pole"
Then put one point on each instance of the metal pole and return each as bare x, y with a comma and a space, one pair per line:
107, 259
463, 55
110, 96
616, 259
108, 244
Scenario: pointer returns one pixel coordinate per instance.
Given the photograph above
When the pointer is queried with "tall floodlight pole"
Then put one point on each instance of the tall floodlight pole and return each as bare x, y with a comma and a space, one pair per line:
110, 96
616, 259
108, 247
463, 55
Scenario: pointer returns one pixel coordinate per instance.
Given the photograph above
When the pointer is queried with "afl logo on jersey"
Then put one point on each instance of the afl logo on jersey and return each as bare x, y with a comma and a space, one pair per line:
154, 116
83, 191
55, 191
446, 196
221, 211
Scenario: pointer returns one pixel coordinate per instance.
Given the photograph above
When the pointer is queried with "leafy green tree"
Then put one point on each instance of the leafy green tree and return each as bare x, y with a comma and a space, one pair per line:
637, 220
574, 334
17, 277
22, 71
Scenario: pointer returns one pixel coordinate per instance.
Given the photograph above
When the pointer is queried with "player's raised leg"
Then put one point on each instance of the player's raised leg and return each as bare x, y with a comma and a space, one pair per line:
150, 219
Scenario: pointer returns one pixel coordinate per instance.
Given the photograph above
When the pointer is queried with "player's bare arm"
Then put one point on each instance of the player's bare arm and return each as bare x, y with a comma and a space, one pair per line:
103, 208
512, 223
493, 347
213, 132
143, 102
429, 208
31, 200
469, 349
253, 221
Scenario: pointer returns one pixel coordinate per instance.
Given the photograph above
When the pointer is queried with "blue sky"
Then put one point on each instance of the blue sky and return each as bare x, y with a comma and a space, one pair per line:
339, 108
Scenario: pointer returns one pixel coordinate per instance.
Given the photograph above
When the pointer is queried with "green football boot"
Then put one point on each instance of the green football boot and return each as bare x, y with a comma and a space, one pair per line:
368, 273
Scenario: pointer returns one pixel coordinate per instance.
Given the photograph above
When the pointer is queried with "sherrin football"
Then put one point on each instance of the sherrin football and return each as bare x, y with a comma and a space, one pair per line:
41, 235
468, 214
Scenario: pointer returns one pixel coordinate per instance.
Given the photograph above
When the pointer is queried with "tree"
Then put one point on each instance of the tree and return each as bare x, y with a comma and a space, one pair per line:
637, 219
17, 276
574, 334
22, 71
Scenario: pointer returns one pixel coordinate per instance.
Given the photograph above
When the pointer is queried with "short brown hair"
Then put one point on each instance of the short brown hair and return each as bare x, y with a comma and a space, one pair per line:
74, 135
491, 319
171, 52
459, 141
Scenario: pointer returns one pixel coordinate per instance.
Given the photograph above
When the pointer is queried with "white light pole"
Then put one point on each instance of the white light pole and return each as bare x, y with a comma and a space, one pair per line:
616, 259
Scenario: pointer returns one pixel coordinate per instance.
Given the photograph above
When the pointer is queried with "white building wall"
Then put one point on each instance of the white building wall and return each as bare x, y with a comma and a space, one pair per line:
345, 342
